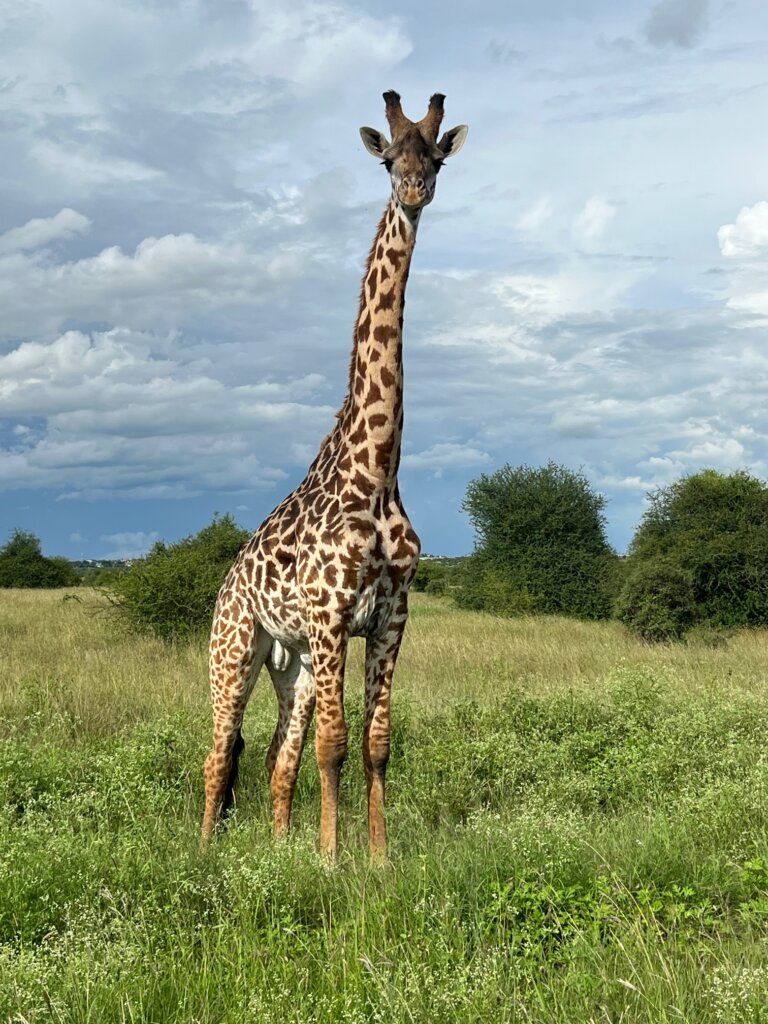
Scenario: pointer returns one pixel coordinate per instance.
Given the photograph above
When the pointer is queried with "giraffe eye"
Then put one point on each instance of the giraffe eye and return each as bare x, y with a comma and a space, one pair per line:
387, 164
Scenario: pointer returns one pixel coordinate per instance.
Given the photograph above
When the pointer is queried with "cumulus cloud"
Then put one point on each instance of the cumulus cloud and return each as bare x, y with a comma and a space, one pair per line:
181, 327
748, 236
164, 280
745, 245
637, 397
446, 456
144, 95
122, 412
676, 22
41, 230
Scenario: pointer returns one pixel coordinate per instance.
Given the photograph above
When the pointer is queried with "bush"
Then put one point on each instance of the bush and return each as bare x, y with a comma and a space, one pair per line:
172, 592
714, 528
432, 577
541, 544
657, 602
484, 587
22, 564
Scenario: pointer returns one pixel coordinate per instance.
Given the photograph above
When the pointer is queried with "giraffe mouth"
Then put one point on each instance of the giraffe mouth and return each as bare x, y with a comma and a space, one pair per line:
413, 198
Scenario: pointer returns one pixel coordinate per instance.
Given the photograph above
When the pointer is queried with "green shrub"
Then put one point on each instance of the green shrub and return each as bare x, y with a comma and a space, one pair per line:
430, 577
714, 528
172, 592
541, 544
487, 588
657, 602
22, 564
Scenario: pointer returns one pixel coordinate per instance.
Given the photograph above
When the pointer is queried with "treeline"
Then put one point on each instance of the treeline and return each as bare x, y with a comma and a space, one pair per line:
698, 560
23, 564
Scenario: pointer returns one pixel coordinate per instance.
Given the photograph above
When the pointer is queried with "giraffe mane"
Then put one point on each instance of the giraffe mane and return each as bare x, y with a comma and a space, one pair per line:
360, 308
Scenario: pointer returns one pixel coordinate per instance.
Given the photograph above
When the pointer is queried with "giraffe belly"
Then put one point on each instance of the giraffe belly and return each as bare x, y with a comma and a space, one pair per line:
287, 627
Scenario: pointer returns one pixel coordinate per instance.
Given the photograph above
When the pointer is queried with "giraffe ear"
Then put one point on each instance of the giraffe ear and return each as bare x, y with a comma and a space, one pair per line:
374, 141
453, 140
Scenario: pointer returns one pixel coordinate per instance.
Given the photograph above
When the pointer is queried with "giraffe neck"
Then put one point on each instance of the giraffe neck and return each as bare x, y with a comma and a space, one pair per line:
372, 423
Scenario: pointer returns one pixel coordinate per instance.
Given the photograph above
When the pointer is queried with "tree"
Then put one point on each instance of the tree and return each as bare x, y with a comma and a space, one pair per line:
713, 527
431, 577
23, 564
540, 543
172, 592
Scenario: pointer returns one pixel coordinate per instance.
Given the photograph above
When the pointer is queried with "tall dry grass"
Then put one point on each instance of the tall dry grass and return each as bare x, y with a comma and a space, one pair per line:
75, 640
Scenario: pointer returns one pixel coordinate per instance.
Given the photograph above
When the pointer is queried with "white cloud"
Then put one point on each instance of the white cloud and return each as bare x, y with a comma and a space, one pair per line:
748, 236
446, 456
41, 230
577, 287
89, 85
130, 544
174, 349
83, 165
140, 415
745, 245
724, 452
165, 280
593, 219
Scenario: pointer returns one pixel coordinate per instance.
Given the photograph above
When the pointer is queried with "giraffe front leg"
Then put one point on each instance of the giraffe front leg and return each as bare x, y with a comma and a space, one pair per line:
380, 658
295, 689
328, 645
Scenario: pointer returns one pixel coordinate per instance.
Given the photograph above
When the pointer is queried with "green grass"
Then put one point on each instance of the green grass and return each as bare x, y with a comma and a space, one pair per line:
578, 827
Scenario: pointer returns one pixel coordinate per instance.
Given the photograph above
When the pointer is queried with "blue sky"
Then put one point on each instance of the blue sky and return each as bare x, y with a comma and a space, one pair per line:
185, 206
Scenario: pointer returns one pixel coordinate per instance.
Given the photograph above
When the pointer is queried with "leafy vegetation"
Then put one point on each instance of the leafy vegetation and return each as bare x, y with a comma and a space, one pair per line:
172, 592
23, 564
579, 827
657, 601
704, 540
436, 575
540, 546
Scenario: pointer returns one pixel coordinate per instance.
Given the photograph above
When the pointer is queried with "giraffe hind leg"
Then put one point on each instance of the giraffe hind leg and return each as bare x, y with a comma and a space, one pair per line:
295, 690
277, 665
239, 647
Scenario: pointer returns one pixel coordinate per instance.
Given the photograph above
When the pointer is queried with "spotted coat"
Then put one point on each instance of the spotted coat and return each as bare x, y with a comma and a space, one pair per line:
334, 559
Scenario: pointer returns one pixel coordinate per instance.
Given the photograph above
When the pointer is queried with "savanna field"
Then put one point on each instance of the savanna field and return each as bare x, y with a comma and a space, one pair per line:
578, 831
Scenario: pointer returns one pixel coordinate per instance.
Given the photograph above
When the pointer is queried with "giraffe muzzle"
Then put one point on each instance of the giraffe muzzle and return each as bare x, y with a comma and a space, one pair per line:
413, 192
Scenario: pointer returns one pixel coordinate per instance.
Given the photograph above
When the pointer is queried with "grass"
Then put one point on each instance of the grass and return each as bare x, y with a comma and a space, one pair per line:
578, 825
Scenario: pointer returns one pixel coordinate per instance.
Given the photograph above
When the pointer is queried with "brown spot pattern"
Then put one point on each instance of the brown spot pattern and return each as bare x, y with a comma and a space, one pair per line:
334, 559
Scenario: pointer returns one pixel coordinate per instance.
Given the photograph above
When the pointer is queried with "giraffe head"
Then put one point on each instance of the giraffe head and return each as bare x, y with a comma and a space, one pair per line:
414, 156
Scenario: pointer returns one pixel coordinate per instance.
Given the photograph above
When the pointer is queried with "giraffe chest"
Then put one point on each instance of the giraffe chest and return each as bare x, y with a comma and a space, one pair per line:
386, 575
356, 566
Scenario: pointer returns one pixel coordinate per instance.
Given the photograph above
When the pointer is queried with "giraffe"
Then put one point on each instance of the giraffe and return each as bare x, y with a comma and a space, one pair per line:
336, 558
